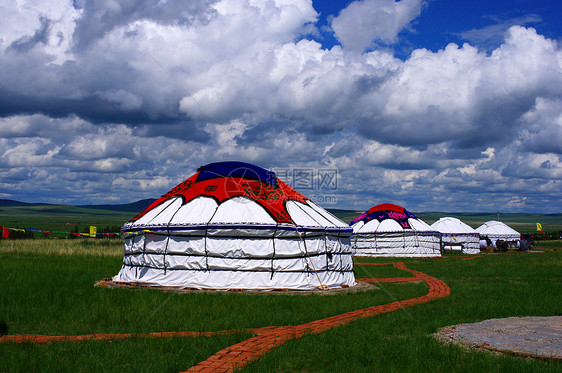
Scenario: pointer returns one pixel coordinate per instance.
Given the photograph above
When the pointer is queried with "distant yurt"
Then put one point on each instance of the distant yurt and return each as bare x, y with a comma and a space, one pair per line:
233, 225
457, 236
391, 230
496, 230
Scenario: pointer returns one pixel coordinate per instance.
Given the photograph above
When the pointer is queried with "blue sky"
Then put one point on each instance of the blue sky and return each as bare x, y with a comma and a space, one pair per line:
433, 105
442, 22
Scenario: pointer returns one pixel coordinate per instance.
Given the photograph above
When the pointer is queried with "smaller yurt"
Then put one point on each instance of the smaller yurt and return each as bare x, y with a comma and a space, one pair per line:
496, 230
233, 225
457, 236
391, 230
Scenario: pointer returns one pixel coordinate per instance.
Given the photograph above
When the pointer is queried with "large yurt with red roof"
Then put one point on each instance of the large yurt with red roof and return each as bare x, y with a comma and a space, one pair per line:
233, 225
391, 230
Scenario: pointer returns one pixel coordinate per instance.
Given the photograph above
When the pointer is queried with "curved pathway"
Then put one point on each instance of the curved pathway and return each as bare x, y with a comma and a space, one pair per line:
240, 354
268, 338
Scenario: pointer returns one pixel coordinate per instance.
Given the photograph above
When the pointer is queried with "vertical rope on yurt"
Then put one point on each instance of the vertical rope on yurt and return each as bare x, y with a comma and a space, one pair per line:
273, 256
340, 246
145, 236
326, 249
166, 248
205, 244
205, 238
375, 238
309, 262
376, 241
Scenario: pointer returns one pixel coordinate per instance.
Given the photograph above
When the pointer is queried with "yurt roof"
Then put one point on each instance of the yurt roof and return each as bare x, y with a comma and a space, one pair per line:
452, 225
494, 227
234, 194
388, 217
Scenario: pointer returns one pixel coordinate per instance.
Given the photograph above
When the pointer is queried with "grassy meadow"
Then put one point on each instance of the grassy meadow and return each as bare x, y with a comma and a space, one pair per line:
62, 219
48, 288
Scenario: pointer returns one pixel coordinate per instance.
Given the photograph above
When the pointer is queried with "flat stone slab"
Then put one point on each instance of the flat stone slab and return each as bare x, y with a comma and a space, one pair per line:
525, 336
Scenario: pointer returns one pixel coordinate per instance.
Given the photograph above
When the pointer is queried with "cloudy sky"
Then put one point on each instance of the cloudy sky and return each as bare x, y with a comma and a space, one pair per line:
436, 105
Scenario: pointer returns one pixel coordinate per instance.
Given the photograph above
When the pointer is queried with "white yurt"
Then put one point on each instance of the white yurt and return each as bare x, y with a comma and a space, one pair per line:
457, 236
391, 230
496, 230
233, 225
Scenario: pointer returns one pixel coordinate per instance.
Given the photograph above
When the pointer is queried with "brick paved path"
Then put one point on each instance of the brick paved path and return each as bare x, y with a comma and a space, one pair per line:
36, 338
240, 354
268, 338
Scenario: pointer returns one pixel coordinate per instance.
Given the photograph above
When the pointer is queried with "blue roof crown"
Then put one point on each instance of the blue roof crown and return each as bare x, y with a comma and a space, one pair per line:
236, 169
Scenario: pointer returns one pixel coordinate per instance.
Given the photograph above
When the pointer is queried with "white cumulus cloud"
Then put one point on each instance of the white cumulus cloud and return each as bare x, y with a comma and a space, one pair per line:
364, 22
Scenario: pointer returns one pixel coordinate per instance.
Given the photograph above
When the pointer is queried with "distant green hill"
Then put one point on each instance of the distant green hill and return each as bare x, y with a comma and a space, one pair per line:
11, 203
61, 218
132, 207
129, 207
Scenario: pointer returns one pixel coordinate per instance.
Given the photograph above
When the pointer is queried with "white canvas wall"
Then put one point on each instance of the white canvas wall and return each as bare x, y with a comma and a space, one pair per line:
219, 262
470, 242
397, 244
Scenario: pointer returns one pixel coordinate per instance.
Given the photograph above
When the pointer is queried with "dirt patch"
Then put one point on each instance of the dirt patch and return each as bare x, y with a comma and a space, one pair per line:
361, 286
522, 336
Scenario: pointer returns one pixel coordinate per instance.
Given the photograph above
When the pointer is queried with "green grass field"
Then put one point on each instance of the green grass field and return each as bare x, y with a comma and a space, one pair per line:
47, 288
61, 218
